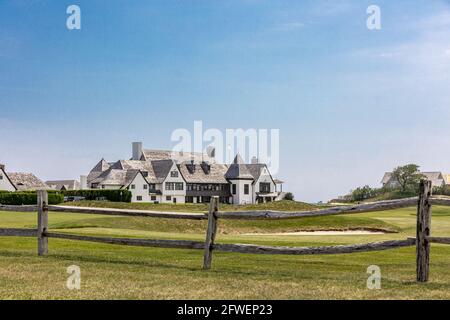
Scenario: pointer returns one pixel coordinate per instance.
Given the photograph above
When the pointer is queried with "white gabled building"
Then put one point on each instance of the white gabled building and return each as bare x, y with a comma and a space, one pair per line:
171, 177
19, 181
251, 183
5, 182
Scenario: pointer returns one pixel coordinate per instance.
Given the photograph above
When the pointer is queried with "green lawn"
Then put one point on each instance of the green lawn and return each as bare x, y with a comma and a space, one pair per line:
122, 272
198, 207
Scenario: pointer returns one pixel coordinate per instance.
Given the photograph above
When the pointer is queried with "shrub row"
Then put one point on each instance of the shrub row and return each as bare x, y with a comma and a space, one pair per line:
28, 197
93, 194
442, 191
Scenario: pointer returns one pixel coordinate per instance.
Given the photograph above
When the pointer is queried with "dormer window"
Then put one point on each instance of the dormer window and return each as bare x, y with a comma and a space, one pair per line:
145, 173
206, 167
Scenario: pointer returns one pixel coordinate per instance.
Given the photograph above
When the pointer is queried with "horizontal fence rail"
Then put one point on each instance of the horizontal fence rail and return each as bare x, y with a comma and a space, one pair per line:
177, 244
422, 240
128, 212
366, 247
18, 208
442, 240
10, 232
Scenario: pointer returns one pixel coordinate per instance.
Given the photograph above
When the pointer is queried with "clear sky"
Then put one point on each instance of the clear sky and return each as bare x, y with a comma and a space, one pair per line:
350, 103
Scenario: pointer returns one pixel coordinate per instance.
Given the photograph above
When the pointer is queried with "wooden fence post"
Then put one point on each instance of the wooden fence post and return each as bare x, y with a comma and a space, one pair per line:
211, 232
42, 202
423, 232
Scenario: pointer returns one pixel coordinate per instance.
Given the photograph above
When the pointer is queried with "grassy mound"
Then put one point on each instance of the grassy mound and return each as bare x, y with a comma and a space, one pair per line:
199, 207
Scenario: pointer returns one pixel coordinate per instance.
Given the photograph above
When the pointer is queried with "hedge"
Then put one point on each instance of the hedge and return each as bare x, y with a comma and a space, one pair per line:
442, 191
94, 194
28, 197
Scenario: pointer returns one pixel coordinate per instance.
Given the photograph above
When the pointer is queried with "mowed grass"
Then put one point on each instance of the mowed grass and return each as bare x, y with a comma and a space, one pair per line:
198, 207
124, 272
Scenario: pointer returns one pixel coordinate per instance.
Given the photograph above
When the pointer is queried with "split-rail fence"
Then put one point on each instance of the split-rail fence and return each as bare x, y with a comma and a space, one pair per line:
422, 240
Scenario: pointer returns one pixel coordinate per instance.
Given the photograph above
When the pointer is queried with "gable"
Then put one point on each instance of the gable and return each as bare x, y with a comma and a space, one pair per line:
174, 174
265, 176
5, 182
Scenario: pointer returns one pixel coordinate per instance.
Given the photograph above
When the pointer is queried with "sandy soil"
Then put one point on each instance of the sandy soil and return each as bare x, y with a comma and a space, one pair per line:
317, 233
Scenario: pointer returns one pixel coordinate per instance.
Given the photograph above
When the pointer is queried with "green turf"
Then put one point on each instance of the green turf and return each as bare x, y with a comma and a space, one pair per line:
199, 207
122, 272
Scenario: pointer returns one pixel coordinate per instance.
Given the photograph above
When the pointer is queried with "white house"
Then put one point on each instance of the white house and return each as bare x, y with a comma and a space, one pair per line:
5, 182
171, 177
19, 181
250, 183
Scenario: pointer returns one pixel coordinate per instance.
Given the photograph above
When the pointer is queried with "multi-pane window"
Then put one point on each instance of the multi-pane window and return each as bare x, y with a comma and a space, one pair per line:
174, 186
234, 189
153, 198
246, 189
264, 187
139, 198
145, 186
152, 186
206, 187
168, 198
174, 174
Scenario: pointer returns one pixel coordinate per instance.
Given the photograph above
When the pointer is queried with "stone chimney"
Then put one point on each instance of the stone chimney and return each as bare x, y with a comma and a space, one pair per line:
255, 160
137, 150
2, 167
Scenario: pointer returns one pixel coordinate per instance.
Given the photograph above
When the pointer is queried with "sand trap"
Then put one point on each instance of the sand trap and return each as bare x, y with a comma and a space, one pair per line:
318, 233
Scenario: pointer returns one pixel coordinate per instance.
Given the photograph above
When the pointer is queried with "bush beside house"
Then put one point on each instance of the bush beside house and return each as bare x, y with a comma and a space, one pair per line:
28, 197
110, 195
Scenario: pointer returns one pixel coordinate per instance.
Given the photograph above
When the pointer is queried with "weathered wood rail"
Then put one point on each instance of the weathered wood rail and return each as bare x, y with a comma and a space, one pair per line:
422, 241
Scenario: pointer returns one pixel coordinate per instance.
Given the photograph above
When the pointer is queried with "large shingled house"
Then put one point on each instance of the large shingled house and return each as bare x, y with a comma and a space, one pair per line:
184, 177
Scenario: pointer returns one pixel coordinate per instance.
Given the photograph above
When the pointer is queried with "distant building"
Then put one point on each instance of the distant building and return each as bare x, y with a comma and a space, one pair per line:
5, 182
437, 179
63, 184
18, 181
447, 179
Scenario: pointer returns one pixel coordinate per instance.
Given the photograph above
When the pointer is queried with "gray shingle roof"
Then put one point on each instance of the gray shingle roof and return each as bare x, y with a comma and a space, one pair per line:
216, 173
100, 167
68, 184
178, 157
161, 169
436, 177
255, 169
26, 181
238, 170
122, 172
116, 177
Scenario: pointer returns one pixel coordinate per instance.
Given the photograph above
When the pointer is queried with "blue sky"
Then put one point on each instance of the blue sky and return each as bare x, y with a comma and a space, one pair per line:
350, 103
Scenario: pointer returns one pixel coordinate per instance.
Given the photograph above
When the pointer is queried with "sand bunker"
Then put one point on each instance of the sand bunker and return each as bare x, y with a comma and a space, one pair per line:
318, 233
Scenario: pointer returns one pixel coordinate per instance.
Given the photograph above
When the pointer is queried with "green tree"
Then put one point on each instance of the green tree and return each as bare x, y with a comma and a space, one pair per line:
362, 193
408, 177
289, 196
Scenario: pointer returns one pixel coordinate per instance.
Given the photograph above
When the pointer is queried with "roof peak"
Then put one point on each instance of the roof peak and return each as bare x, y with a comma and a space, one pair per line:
238, 159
